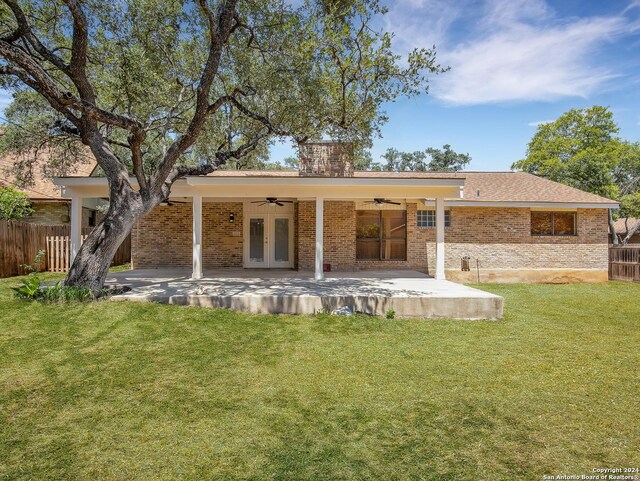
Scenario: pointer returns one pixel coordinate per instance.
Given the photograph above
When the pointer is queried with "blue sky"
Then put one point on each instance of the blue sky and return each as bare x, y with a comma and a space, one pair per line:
514, 63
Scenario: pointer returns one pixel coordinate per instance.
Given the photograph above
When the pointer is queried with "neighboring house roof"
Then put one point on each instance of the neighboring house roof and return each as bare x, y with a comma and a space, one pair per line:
624, 222
43, 187
479, 187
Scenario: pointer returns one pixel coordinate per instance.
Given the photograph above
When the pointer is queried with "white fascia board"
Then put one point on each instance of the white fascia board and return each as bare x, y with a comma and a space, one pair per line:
554, 205
345, 181
324, 181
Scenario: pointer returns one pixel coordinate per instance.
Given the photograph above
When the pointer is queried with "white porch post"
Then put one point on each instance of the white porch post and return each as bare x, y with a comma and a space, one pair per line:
197, 237
440, 238
76, 227
319, 274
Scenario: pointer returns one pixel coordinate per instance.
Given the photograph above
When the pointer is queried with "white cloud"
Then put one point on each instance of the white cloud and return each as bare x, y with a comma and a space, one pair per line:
508, 50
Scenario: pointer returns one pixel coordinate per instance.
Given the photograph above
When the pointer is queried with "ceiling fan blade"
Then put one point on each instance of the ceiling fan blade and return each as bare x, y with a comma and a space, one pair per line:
263, 204
286, 201
390, 202
257, 201
278, 203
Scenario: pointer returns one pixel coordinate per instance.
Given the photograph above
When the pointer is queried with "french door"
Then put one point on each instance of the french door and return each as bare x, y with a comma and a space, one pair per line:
269, 240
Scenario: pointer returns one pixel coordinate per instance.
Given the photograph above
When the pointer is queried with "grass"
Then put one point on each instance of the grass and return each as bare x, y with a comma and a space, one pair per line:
141, 391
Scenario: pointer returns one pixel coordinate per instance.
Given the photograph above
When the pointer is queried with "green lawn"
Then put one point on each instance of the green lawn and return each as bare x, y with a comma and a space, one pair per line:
141, 391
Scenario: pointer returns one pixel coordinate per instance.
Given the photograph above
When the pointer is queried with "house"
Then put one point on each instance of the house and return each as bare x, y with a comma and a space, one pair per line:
49, 207
623, 225
496, 226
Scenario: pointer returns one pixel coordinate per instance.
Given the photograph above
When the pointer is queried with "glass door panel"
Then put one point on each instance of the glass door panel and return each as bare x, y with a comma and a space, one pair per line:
257, 240
281, 240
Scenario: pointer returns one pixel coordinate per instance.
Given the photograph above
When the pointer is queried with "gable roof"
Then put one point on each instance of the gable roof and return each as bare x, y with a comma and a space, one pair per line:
43, 187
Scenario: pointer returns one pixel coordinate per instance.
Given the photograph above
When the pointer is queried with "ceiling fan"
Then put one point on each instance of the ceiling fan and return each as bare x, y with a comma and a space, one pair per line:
379, 201
168, 202
272, 201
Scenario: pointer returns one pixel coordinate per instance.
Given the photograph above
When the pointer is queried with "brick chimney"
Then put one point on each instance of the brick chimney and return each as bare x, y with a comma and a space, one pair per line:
326, 159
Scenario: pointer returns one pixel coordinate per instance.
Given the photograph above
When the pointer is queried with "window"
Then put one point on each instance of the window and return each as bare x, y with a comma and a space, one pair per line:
427, 218
381, 235
553, 223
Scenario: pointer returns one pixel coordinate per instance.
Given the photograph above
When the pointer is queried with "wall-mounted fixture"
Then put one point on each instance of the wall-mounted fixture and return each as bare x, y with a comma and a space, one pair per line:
232, 218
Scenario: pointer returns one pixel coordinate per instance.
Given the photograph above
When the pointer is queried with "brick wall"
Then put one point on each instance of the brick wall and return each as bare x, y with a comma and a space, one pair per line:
221, 240
327, 159
55, 213
498, 237
164, 237
339, 235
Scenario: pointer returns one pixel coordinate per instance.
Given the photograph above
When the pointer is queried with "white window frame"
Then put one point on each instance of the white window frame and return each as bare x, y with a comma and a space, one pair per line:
429, 217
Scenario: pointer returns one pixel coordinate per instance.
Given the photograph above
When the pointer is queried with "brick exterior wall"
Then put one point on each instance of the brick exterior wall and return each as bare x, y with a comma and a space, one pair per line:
55, 213
326, 159
163, 238
498, 237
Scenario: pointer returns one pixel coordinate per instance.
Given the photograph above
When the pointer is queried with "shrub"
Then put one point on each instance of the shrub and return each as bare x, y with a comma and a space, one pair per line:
14, 204
33, 290
391, 314
29, 289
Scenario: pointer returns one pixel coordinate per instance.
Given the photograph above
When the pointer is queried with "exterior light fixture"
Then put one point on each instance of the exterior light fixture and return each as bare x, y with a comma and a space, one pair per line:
232, 218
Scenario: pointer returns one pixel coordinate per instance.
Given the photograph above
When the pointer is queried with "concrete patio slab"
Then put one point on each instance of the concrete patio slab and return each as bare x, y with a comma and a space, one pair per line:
408, 293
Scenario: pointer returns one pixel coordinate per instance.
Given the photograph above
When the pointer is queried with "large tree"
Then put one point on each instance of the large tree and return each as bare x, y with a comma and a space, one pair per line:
160, 89
582, 149
429, 160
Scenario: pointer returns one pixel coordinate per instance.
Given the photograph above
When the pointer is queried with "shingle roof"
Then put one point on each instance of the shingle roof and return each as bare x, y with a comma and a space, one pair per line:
42, 187
522, 187
622, 223
478, 187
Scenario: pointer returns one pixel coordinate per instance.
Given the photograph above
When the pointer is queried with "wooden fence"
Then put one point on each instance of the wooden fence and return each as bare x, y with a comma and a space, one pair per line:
21, 241
59, 253
624, 263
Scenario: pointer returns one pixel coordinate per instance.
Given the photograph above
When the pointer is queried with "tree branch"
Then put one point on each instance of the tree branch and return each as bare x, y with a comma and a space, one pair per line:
220, 26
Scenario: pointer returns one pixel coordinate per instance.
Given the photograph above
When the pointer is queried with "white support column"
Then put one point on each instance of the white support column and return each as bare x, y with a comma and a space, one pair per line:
76, 227
197, 237
440, 238
319, 274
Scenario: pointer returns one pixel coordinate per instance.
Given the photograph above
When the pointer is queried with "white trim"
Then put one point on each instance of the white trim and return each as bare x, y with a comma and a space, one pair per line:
319, 271
76, 227
561, 205
440, 274
366, 181
223, 180
197, 237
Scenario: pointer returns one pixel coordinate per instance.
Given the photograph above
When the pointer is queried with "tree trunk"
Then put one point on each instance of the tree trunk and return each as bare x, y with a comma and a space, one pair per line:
630, 233
91, 264
612, 229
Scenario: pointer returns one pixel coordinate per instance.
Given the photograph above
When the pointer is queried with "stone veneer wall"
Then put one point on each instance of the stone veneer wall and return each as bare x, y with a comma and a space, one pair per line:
163, 238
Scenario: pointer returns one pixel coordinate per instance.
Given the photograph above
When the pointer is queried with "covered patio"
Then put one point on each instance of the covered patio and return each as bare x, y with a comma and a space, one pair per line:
266, 291
250, 187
